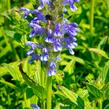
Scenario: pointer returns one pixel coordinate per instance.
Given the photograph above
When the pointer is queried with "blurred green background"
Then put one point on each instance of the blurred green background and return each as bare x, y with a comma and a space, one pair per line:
82, 81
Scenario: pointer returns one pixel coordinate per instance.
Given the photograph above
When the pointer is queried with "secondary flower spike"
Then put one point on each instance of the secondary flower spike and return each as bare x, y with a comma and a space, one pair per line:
50, 35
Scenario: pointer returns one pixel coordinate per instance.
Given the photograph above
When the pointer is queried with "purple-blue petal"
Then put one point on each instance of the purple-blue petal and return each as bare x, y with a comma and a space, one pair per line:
74, 24
34, 57
32, 33
57, 47
44, 57
39, 14
73, 7
52, 65
51, 72
26, 12
49, 39
29, 52
57, 31
45, 50
71, 3
71, 51
32, 44
35, 106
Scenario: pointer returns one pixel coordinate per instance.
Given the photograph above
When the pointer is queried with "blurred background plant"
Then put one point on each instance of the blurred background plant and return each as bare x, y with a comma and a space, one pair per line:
82, 81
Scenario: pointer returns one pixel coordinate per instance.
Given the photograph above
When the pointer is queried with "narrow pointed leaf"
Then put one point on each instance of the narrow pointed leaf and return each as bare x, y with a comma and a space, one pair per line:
104, 74
94, 91
69, 94
99, 52
37, 89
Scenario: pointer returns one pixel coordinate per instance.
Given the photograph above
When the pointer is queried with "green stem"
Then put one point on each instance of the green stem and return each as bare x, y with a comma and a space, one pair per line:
49, 92
92, 16
100, 103
43, 82
9, 5
94, 105
43, 105
15, 55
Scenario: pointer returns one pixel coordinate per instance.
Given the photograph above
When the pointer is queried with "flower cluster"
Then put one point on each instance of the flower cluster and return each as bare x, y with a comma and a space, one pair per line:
64, 2
53, 35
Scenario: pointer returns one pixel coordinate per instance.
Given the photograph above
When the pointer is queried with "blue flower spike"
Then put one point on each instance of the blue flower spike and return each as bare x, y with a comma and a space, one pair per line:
55, 35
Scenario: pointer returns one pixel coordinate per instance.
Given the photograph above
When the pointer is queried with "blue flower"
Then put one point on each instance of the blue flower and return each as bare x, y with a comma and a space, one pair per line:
43, 2
44, 57
31, 52
26, 12
35, 106
32, 44
49, 37
57, 46
57, 31
54, 36
63, 36
39, 15
71, 2
45, 54
37, 29
33, 57
52, 69
52, 66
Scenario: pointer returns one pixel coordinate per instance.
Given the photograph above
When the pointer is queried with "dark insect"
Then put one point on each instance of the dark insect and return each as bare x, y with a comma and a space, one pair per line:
49, 21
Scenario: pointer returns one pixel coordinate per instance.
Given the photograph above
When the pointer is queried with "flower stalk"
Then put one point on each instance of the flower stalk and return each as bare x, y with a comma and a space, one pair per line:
53, 33
100, 103
92, 16
43, 105
49, 92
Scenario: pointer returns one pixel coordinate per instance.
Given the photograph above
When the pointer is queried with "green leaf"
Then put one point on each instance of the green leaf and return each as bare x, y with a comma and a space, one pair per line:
57, 106
102, 42
3, 71
107, 106
99, 52
79, 60
5, 51
69, 94
107, 3
80, 103
70, 67
71, 64
14, 71
105, 91
94, 91
8, 84
37, 89
17, 37
9, 33
104, 74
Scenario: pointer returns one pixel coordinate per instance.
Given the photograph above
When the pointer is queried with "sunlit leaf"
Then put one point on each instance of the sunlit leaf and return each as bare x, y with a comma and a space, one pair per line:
8, 84
14, 71
105, 91
70, 67
69, 94
38, 90
99, 52
104, 73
